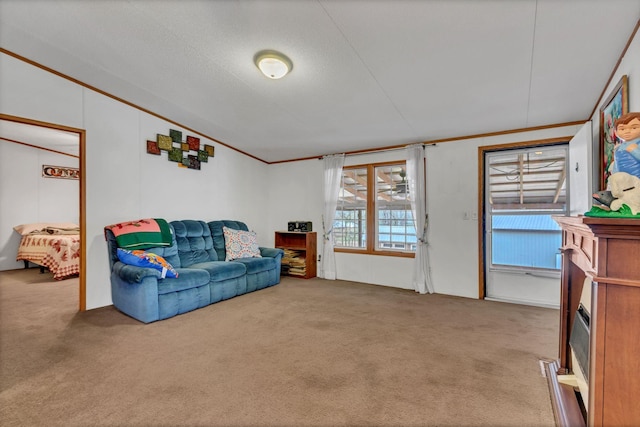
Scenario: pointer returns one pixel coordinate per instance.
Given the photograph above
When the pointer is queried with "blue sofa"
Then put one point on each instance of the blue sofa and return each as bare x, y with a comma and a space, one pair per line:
197, 253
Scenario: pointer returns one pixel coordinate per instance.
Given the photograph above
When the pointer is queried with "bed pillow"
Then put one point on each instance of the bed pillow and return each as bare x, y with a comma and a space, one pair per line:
24, 229
141, 258
240, 244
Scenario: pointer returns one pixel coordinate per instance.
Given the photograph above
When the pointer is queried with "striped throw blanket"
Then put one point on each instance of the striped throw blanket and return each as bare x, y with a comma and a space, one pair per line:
142, 234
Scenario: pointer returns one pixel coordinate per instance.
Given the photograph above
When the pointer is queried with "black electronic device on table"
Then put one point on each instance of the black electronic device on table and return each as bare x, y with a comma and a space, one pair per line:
301, 226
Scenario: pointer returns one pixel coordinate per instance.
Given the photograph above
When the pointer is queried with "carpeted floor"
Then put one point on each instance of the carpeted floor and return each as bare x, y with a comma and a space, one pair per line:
303, 353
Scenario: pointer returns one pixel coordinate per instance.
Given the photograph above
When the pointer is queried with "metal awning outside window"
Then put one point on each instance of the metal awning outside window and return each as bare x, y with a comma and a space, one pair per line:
533, 179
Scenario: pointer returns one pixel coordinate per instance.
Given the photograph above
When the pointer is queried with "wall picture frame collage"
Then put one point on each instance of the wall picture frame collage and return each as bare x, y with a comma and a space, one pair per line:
186, 153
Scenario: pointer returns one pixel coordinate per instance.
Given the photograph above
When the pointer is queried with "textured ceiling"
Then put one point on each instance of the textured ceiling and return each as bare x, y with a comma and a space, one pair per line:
366, 74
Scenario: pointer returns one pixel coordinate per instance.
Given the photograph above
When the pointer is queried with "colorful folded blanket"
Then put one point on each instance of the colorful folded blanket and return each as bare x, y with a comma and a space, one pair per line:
142, 234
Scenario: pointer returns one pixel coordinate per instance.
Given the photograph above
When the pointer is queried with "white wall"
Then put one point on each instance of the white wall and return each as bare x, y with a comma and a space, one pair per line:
452, 186
296, 195
123, 182
27, 197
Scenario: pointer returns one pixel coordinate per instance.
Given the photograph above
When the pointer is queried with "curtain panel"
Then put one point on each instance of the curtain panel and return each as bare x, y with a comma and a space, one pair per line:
417, 195
332, 178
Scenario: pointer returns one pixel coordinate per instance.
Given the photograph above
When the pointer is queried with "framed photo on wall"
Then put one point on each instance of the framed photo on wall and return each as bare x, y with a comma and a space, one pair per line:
616, 104
60, 172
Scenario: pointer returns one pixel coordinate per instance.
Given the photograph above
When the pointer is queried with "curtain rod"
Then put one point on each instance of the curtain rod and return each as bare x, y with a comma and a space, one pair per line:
379, 150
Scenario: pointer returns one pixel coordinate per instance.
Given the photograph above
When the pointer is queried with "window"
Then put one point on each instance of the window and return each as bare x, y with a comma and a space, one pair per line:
374, 211
525, 187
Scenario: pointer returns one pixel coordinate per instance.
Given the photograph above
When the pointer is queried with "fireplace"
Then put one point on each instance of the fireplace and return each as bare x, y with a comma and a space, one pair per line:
579, 342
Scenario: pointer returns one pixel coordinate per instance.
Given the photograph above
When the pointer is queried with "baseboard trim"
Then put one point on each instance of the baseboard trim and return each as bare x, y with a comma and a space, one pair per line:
524, 302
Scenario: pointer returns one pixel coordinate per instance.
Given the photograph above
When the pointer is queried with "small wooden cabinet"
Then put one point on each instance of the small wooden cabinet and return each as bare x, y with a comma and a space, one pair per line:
607, 252
300, 253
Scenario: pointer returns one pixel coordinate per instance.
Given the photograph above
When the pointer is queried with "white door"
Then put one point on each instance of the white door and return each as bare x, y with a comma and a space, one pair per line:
580, 168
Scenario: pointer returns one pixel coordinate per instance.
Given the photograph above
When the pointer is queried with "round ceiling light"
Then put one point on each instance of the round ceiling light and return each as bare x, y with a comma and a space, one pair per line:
273, 64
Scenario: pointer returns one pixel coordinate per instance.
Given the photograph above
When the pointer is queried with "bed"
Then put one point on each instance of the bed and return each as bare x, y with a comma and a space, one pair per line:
55, 246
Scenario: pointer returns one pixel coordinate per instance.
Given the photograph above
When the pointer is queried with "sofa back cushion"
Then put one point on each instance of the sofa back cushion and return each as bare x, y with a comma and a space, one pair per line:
217, 233
169, 253
194, 242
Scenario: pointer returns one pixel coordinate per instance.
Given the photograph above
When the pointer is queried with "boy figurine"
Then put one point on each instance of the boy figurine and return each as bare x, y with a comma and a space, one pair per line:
627, 154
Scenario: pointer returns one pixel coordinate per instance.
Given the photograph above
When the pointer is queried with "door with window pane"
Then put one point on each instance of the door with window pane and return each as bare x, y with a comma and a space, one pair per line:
523, 189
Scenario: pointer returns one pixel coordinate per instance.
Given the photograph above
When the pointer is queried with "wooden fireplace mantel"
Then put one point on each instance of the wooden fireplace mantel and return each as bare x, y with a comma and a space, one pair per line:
606, 251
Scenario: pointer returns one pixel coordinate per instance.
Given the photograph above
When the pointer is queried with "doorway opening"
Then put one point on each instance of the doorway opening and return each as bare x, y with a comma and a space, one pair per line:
30, 123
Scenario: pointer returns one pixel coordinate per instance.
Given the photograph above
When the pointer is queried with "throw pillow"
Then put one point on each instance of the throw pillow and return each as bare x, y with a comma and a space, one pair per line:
24, 229
147, 259
240, 244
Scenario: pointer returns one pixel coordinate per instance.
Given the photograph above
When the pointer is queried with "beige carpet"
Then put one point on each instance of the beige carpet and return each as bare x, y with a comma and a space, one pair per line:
303, 353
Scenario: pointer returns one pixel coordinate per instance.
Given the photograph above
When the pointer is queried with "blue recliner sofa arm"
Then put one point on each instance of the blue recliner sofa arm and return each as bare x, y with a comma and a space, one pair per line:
134, 291
272, 252
276, 254
133, 274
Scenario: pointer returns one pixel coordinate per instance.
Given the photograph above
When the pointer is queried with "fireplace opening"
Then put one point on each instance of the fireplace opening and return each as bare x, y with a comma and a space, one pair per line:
579, 341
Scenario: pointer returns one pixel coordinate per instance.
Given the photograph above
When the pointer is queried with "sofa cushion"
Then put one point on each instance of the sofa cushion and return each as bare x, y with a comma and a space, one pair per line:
218, 235
256, 265
187, 278
240, 244
141, 258
194, 242
222, 270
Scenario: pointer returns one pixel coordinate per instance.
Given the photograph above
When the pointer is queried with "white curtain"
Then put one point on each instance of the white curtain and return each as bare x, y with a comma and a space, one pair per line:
417, 195
332, 178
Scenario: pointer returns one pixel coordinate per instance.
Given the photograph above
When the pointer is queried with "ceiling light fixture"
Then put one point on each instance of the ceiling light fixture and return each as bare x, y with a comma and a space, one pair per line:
273, 64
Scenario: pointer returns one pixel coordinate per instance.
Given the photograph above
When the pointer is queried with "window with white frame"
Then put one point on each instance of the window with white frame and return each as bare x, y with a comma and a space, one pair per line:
374, 211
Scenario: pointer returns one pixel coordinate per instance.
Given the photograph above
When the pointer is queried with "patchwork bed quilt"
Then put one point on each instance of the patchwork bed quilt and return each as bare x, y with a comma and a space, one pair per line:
59, 253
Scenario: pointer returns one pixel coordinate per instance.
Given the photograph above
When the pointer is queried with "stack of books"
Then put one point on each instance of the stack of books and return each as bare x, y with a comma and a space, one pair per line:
294, 263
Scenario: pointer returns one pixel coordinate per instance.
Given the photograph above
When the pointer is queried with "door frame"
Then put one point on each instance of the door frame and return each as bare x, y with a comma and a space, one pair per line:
82, 298
482, 247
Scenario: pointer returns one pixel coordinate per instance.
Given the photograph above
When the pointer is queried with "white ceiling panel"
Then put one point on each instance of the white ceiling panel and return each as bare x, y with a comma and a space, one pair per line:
573, 40
453, 60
